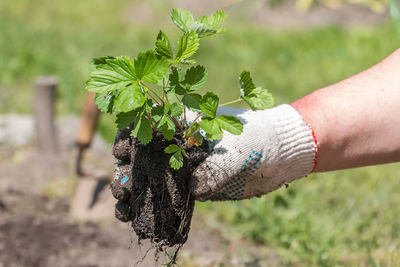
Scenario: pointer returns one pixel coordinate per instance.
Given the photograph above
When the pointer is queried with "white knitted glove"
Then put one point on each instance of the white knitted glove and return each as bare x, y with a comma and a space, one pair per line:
275, 148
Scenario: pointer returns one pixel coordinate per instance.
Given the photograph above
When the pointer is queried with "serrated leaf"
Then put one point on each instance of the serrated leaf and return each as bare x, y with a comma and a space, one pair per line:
176, 110
208, 25
168, 132
149, 68
105, 102
146, 108
165, 120
172, 149
211, 127
98, 61
182, 18
213, 137
163, 46
230, 124
130, 98
176, 79
176, 160
142, 130
188, 44
157, 113
214, 20
257, 98
202, 30
195, 78
246, 83
191, 101
115, 74
187, 61
209, 104
124, 119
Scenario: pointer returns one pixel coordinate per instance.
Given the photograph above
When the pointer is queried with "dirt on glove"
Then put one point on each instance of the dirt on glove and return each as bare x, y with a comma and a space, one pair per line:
154, 197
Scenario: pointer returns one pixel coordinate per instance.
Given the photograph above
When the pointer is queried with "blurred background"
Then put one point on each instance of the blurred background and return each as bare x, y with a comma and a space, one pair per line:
50, 217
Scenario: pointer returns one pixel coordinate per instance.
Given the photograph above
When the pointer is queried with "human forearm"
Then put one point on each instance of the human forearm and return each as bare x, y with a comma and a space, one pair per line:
357, 121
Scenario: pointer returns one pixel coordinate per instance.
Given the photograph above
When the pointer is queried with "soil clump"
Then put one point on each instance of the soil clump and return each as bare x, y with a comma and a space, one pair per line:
155, 198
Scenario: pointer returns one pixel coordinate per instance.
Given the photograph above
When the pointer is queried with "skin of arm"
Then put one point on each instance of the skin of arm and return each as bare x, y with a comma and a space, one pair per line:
357, 121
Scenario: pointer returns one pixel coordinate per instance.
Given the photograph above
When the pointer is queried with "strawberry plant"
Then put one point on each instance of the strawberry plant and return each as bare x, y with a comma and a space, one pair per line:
156, 89
158, 146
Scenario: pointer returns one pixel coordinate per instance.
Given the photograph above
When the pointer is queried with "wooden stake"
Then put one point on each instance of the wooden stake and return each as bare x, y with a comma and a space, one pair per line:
43, 104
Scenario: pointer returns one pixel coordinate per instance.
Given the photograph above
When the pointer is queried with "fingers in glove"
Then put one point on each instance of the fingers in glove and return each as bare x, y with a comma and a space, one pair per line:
123, 144
206, 180
123, 211
121, 186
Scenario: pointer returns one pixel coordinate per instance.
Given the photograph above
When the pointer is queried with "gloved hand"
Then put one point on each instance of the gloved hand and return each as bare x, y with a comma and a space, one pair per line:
275, 148
121, 185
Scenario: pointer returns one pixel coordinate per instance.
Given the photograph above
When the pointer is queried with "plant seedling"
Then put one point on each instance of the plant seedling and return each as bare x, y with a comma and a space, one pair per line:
157, 88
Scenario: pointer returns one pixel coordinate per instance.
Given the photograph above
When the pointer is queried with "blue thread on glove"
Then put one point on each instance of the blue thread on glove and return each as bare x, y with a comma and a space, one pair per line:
234, 189
124, 180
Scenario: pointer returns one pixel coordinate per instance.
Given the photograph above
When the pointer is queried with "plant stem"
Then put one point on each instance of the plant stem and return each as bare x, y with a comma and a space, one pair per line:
155, 93
188, 131
153, 126
231, 102
184, 115
176, 122
155, 100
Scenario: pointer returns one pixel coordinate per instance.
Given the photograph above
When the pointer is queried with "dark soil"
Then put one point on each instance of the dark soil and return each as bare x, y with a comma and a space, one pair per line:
157, 198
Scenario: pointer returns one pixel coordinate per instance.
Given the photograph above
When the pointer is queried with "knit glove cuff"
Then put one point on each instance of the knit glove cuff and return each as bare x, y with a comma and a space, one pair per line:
275, 148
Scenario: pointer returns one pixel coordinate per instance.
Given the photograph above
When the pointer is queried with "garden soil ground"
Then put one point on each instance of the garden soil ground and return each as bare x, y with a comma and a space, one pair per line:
36, 228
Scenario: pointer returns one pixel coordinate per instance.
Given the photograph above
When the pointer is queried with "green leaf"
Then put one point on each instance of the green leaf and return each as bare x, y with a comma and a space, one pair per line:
213, 137
257, 98
168, 131
101, 60
163, 46
146, 108
209, 104
195, 78
149, 68
157, 113
214, 20
176, 79
165, 120
230, 123
211, 127
124, 119
188, 44
130, 98
202, 30
246, 83
191, 101
187, 61
115, 74
182, 18
98, 61
176, 110
172, 149
142, 130
208, 25
105, 102
176, 160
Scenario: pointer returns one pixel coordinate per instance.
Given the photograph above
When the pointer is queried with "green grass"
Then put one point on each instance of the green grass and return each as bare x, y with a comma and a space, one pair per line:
339, 218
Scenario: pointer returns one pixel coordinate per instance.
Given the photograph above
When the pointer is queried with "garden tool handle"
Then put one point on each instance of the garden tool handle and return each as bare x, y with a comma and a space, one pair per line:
90, 116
